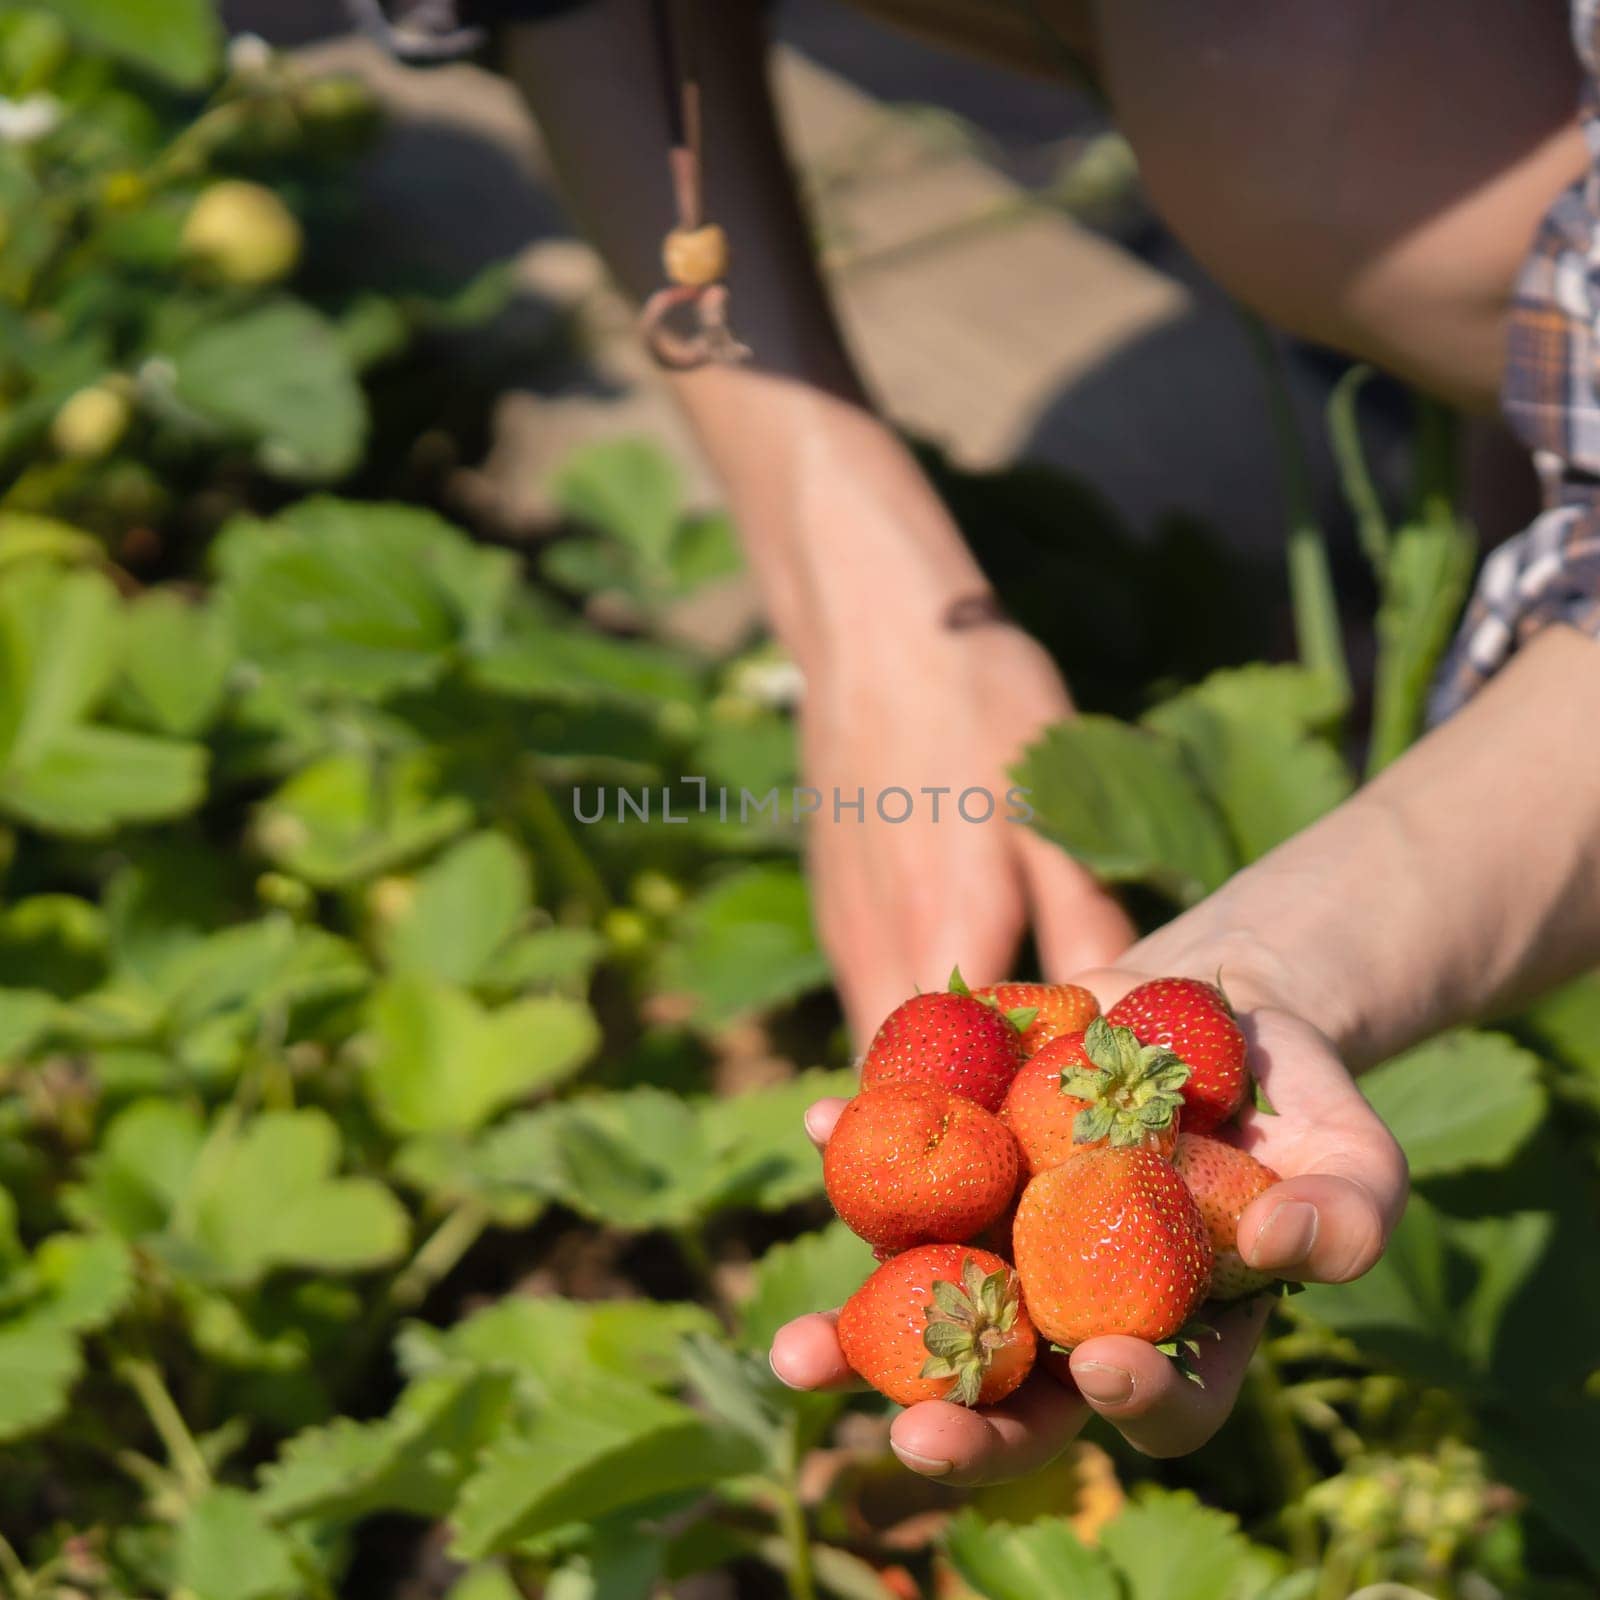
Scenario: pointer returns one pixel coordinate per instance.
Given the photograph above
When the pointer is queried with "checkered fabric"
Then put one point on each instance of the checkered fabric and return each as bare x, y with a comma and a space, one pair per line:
1551, 397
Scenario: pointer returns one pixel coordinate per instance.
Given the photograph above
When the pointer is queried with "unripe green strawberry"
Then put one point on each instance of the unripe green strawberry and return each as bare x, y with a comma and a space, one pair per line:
1224, 1180
1058, 1009
951, 1039
1112, 1242
243, 232
941, 1322
909, 1164
91, 423
1097, 1087
1194, 1021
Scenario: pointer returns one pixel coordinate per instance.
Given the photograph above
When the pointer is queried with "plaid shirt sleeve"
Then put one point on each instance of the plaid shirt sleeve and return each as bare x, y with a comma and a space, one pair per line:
1551, 397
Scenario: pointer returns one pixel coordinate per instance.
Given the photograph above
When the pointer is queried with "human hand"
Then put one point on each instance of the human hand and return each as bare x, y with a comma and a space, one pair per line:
900, 903
1343, 1188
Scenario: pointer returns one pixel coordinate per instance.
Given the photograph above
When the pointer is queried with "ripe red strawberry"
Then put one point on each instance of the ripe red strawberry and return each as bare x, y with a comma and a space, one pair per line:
1112, 1242
1223, 1181
1093, 1088
1057, 1008
909, 1164
941, 1322
950, 1039
1194, 1021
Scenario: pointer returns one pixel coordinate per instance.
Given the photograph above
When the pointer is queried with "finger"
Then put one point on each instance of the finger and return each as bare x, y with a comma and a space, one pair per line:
1076, 923
805, 1354
821, 1118
958, 1445
1150, 1402
1345, 1176
1319, 1228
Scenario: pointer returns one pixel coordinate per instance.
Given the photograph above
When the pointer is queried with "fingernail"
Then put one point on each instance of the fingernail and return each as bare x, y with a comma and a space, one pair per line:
813, 1128
772, 1361
928, 1466
1286, 1237
1106, 1386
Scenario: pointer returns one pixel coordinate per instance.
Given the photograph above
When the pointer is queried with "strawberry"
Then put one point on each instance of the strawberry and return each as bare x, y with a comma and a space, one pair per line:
1112, 1242
908, 1164
1057, 1008
949, 1038
1097, 1087
1194, 1021
941, 1322
1223, 1181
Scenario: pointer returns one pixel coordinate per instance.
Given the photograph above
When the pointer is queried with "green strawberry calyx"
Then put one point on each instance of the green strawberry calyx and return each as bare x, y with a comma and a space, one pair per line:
967, 1323
1184, 1345
1020, 1017
1135, 1093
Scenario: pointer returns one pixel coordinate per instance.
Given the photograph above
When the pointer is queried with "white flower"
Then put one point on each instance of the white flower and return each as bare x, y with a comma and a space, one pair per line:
23, 121
773, 682
248, 53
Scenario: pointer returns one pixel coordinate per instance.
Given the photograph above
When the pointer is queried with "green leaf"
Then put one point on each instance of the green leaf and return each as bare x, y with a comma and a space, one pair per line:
315, 1220
441, 1062
814, 1272
276, 377
344, 818
1266, 778
175, 665
647, 1159
356, 599
1167, 1546
90, 779
636, 1160
627, 488
763, 1156
746, 944
38, 1366
141, 1168
226, 1551
179, 40
541, 658
464, 909
1126, 803
1565, 1026
548, 958
548, 1343
1044, 1558
1461, 1101
1425, 579
59, 641
84, 1281
606, 1446
411, 1461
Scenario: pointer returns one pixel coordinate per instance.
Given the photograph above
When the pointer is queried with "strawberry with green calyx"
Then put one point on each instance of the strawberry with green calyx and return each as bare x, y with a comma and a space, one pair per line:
909, 1164
1094, 1088
941, 1322
1042, 1011
950, 1039
1111, 1242
1224, 1180
1193, 1020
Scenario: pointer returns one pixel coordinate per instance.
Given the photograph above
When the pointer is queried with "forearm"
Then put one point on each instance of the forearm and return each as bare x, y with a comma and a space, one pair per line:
1463, 879
834, 514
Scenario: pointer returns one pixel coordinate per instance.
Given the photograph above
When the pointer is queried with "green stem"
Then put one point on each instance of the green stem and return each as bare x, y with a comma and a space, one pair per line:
792, 1519
550, 832
1360, 493
1318, 634
14, 1572
438, 1254
144, 1378
1293, 1466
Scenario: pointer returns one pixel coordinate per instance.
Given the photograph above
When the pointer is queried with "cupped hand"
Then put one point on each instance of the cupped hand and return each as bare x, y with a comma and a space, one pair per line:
1343, 1189
902, 713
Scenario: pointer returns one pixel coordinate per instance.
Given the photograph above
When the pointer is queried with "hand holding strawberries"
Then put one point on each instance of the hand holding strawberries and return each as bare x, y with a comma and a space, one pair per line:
1308, 1192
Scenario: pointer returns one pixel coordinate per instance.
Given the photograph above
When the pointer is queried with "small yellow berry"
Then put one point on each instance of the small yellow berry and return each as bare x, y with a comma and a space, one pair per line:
695, 257
242, 232
91, 423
